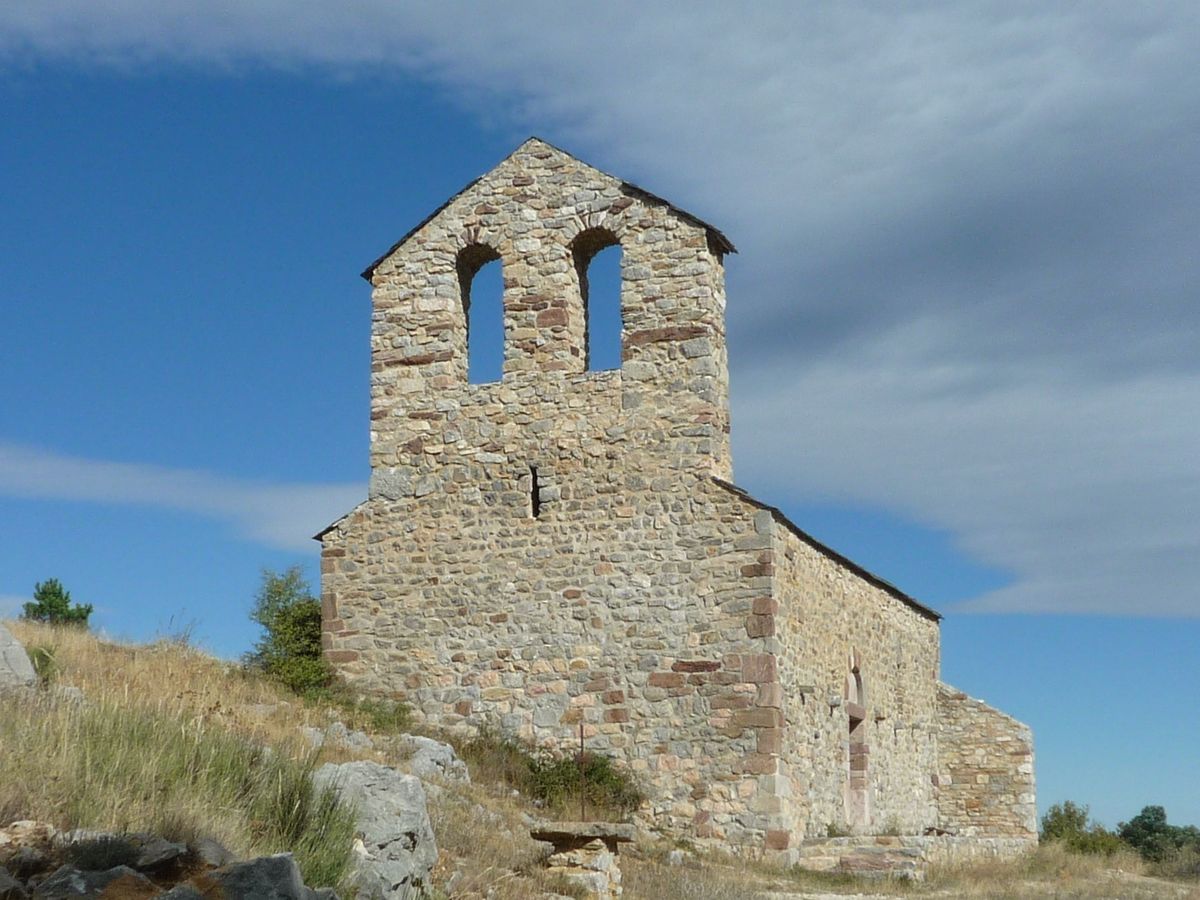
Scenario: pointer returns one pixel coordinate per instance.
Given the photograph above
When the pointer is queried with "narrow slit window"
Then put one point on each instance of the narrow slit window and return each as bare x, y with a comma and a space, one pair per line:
535, 493
481, 282
598, 264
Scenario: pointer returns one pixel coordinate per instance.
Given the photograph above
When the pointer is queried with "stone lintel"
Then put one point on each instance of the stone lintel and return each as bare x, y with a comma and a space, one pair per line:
566, 835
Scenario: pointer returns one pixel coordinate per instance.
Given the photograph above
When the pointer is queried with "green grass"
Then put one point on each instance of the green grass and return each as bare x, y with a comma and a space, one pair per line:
127, 769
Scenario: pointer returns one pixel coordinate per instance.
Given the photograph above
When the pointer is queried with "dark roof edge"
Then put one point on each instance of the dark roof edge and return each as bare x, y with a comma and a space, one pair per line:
829, 552
335, 523
370, 270
716, 237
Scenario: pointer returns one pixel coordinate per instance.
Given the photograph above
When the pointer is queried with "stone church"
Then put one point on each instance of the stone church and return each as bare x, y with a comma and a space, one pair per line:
566, 546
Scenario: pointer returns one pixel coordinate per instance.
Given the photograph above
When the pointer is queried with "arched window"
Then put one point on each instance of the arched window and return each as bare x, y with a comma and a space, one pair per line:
481, 283
597, 256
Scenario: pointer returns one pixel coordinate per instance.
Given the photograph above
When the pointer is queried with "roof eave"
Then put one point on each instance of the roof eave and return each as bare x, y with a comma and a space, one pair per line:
830, 553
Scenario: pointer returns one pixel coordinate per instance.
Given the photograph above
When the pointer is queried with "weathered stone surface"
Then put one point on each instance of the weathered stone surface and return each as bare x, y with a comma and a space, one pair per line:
212, 853
68, 883
155, 852
10, 888
26, 833
566, 833
563, 548
265, 878
397, 849
985, 778
338, 733
430, 758
15, 668
585, 854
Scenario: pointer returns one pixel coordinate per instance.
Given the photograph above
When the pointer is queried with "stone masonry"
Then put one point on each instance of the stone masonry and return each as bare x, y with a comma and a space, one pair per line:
566, 546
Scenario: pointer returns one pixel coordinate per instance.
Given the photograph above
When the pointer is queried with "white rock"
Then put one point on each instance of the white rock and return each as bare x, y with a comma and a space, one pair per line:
15, 668
433, 758
396, 849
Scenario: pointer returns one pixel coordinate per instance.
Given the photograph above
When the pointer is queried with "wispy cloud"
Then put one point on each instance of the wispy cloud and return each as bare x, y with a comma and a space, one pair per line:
967, 286
279, 515
11, 605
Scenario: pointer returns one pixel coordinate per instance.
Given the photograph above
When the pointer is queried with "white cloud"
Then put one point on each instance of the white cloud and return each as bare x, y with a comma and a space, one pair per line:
1087, 497
278, 515
967, 287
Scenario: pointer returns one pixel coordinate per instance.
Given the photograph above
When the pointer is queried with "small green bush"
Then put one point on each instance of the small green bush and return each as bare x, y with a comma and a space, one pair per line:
554, 779
1067, 823
290, 650
52, 606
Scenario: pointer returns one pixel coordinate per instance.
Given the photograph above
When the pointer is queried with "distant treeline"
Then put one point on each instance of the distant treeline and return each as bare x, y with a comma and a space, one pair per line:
1174, 848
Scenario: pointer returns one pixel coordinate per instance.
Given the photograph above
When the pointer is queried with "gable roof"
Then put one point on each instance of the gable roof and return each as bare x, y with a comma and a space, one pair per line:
719, 242
830, 553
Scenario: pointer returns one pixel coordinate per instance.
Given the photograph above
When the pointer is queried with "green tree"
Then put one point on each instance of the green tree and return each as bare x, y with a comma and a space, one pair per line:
1068, 823
290, 649
52, 605
1149, 833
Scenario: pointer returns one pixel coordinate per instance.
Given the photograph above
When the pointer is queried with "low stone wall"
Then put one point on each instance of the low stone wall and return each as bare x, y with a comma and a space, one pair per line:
903, 856
985, 780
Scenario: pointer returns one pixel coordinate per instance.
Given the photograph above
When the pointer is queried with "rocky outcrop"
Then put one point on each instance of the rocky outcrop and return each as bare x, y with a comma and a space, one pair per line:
37, 862
395, 848
430, 758
15, 668
337, 733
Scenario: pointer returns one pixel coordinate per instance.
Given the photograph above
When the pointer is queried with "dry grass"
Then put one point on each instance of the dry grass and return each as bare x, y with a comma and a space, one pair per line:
144, 752
168, 741
170, 678
1050, 872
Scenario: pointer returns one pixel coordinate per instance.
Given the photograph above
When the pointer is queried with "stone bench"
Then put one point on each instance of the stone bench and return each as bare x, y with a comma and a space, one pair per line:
585, 854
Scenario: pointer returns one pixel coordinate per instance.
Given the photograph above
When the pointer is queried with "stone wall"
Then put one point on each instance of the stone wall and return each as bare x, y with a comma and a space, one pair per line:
541, 212
833, 621
635, 625
985, 770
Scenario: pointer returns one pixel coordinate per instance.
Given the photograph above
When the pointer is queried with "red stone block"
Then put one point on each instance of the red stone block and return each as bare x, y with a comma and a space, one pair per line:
759, 667
765, 606
758, 717
777, 840
549, 317
666, 679
760, 626
695, 665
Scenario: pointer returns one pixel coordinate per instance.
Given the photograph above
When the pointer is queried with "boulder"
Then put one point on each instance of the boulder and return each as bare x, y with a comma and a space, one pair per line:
26, 833
338, 733
266, 878
69, 883
156, 853
212, 853
430, 758
396, 849
15, 668
10, 888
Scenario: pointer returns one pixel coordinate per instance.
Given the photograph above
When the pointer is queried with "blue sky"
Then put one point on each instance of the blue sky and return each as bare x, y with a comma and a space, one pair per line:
962, 321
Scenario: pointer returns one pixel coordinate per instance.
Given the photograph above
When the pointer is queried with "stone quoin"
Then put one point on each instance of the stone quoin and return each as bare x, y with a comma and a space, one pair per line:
567, 546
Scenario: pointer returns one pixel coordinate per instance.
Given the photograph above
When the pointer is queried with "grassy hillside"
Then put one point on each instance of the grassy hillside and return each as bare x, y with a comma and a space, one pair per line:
169, 740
